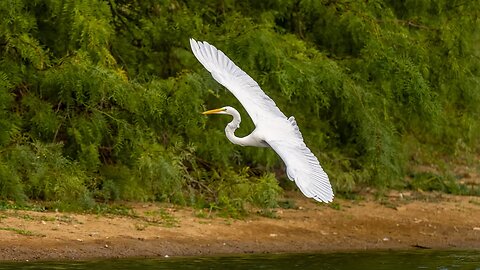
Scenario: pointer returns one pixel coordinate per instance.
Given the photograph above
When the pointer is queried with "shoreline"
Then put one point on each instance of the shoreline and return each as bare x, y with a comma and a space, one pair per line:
159, 230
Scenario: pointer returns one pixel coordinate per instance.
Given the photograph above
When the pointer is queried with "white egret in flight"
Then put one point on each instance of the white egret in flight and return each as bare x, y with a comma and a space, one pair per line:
272, 128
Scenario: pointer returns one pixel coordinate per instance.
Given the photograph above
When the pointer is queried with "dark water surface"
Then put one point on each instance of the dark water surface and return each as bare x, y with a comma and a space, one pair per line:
401, 260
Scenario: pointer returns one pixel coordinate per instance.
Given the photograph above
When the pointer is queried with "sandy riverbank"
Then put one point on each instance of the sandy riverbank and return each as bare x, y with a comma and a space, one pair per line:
432, 221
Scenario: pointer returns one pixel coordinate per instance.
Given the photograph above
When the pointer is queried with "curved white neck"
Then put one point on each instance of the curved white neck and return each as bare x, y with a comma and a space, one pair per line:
232, 126
250, 140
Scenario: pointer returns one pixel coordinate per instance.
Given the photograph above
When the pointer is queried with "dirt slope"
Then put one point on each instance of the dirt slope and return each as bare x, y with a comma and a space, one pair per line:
435, 221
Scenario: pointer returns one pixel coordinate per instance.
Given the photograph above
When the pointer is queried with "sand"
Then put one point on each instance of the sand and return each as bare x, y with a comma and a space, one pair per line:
399, 221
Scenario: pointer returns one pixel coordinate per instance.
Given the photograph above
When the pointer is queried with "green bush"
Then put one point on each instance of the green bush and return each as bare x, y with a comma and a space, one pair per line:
100, 100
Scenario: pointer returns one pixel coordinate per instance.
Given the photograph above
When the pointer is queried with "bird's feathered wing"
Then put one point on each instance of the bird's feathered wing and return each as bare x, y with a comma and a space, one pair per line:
302, 166
243, 87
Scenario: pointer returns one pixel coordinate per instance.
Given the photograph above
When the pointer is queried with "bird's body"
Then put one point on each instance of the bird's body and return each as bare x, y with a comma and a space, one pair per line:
272, 128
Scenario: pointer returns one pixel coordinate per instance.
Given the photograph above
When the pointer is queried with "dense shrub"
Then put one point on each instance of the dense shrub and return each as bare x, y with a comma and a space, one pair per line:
100, 100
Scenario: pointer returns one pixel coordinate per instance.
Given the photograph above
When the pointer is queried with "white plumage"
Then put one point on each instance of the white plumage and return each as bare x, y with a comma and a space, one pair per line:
272, 128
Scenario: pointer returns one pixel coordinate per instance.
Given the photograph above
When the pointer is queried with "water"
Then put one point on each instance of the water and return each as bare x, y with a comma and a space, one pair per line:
391, 260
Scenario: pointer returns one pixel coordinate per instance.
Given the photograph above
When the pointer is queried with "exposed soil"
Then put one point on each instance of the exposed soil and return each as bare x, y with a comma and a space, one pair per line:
401, 222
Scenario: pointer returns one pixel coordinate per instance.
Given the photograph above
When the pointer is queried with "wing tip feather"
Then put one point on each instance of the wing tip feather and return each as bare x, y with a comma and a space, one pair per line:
318, 188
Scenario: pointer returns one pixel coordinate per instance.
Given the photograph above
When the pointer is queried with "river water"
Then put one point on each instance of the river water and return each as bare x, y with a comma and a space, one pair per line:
391, 260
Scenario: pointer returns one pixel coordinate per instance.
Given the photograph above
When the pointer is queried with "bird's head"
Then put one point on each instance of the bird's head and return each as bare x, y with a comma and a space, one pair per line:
230, 111
223, 110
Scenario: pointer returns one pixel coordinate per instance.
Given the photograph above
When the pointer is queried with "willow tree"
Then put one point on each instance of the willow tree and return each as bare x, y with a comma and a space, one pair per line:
99, 100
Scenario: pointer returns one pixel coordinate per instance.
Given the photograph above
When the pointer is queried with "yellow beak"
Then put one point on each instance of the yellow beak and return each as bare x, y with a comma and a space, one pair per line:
214, 111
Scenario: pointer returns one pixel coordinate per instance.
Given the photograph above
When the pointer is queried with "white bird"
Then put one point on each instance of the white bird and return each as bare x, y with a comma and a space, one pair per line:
272, 128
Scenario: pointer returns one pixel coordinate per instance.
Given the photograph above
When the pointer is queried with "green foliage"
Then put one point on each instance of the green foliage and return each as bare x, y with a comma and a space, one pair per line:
433, 182
44, 173
100, 100
231, 191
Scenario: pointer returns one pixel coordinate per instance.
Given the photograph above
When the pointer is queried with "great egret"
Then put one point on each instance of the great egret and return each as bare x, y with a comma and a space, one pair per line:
272, 128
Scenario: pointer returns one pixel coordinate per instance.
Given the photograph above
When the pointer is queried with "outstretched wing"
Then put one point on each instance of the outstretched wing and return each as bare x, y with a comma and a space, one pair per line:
283, 136
243, 87
302, 166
